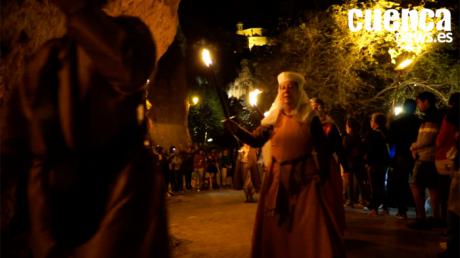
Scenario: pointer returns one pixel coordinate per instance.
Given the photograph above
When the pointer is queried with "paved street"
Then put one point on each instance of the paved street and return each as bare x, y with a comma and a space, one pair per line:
219, 224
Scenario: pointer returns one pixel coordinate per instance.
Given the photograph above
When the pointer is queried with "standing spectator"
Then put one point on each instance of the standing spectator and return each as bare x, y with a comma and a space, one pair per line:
403, 132
211, 170
293, 219
250, 171
216, 155
163, 164
91, 175
175, 167
354, 152
424, 174
238, 171
377, 161
226, 167
334, 142
187, 167
447, 148
199, 165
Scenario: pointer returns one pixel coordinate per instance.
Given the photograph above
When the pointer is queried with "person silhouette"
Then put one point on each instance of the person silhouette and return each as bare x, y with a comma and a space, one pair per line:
91, 189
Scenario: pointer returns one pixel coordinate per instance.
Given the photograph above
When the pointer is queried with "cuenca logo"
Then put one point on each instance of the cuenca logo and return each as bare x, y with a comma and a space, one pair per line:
423, 25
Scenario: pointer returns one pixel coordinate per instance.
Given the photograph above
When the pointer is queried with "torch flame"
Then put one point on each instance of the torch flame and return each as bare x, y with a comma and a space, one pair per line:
253, 97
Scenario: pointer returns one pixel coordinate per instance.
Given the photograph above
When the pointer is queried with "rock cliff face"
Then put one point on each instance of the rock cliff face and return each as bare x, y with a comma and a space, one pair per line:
160, 15
27, 24
168, 90
168, 95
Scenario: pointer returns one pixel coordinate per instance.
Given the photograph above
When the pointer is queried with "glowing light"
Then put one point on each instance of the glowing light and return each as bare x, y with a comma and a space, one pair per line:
398, 110
210, 140
195, 100
405, 63
148, 104
266, 114
253, 97
206, 57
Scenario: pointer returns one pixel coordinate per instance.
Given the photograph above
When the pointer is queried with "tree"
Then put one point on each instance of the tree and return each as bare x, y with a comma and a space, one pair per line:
355, 72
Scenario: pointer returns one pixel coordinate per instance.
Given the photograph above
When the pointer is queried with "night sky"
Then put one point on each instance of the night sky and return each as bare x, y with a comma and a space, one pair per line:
225, 14
257, 13
214, 21
199, 15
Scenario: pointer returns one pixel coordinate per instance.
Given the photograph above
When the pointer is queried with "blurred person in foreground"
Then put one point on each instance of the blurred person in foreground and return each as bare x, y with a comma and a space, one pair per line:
293, 219
91, 189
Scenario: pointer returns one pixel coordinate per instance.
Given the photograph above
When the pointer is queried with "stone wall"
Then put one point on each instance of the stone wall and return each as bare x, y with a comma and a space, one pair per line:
27, 24
168, 95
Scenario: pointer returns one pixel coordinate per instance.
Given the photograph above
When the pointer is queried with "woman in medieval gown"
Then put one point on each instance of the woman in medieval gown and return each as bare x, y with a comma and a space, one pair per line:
294, 218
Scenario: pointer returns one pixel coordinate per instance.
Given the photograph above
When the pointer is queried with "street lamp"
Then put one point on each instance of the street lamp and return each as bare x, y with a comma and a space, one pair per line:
195, 100
398, 110
404, 64
400, 68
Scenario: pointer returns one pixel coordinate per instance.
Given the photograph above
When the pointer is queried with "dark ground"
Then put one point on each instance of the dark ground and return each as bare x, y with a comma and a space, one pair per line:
219, 224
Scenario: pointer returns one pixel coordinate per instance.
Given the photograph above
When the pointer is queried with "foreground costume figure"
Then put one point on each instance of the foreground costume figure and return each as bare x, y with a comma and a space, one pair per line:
294, 218
93, 189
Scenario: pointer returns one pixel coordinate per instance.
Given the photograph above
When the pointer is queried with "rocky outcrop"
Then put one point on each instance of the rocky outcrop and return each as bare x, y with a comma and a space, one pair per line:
27, 24
160, 15
168, 94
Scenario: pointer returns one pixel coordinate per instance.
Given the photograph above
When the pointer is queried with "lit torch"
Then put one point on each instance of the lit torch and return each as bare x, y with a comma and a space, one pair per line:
253, 97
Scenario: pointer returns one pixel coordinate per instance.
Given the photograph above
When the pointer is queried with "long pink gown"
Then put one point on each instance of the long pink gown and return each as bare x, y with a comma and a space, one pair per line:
296, 219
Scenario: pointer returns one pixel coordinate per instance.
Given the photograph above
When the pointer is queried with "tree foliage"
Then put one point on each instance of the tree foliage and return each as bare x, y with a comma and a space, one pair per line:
205, 118
355, 72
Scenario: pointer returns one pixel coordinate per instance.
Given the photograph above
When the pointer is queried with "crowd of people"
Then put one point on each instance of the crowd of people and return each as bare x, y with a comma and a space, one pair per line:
197, 169
408, 160
394, 164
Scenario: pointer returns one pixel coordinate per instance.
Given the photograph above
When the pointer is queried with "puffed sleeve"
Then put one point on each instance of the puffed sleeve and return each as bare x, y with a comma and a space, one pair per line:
256, 138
